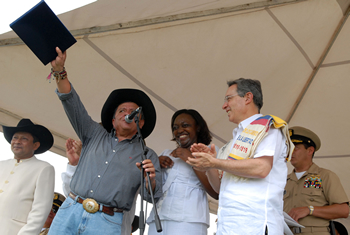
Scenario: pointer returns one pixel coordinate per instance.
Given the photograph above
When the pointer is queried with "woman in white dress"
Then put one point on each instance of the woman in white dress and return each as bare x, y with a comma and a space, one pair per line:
183, 208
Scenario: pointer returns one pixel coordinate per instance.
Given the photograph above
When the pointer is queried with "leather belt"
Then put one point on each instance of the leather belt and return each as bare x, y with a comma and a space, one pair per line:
91, 206
297, 230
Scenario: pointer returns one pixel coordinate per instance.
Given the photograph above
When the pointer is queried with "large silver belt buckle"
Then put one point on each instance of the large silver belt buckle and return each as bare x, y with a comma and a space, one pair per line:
90, 205
296, 230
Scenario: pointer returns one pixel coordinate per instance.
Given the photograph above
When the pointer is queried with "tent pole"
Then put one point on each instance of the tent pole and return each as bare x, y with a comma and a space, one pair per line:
165, 19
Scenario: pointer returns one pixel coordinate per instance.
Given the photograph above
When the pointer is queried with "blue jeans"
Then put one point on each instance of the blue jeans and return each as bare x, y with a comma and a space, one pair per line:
71, 218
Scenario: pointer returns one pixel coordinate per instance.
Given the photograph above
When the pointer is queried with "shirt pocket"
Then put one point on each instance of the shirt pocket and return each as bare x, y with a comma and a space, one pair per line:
21, 220
313, 196
286, 194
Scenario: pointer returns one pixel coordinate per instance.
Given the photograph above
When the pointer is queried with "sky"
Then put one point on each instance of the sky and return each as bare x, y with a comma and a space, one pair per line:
9, 12
12, 9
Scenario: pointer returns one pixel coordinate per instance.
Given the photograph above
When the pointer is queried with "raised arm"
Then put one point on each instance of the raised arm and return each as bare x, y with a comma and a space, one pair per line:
73, 150
63, 85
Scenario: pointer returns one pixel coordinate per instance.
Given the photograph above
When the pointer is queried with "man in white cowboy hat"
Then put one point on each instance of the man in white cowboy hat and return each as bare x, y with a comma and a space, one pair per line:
107, 176
58, 199
26, 183
313, 195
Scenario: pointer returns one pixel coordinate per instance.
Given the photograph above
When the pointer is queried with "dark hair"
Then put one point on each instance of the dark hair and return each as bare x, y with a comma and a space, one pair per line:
35, 139
310, 145
203, 135
245, 85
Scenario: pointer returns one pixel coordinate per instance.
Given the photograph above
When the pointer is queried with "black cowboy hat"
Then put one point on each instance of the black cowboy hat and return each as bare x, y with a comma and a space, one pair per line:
26, 125
138, 97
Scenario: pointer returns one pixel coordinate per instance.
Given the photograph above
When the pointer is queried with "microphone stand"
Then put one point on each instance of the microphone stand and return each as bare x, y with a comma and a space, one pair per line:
144, 157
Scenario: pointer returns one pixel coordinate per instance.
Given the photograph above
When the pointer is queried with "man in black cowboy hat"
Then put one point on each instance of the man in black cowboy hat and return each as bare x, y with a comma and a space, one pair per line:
313, 195
27, 184
107, 177
73, 150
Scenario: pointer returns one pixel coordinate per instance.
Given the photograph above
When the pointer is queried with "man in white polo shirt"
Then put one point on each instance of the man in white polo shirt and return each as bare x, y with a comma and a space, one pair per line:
250, 171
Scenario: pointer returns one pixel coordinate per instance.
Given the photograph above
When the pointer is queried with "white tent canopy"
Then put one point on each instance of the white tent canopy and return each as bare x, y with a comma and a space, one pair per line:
181, 53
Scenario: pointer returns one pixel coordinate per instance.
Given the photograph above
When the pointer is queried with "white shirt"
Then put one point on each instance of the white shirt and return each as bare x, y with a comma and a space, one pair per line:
247, 207
184, 198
